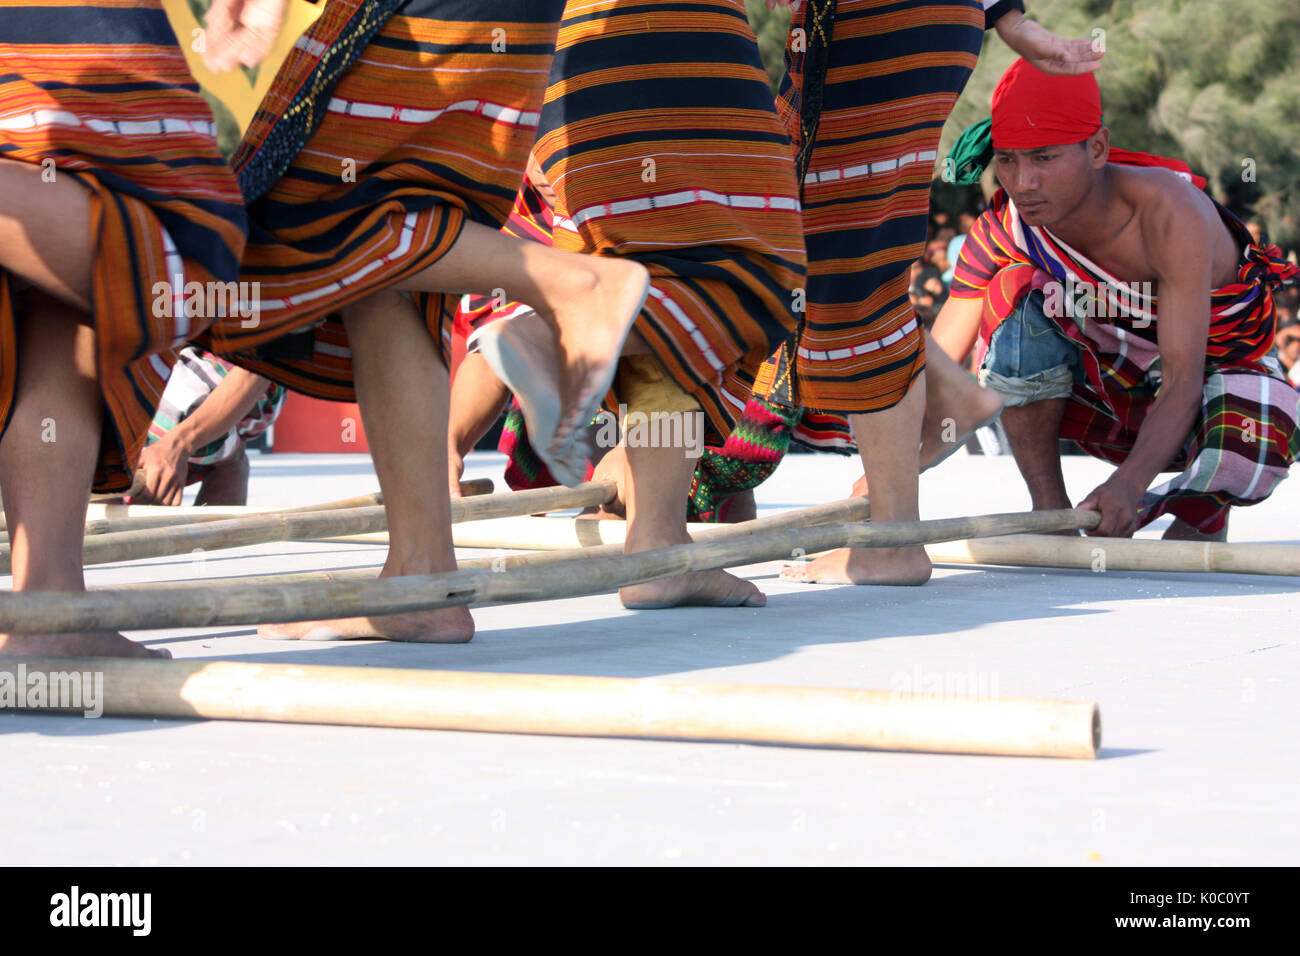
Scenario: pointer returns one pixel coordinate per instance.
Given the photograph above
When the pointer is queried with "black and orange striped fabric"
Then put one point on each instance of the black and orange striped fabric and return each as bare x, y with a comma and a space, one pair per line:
661, 141
416, 117
895, 69
100, 91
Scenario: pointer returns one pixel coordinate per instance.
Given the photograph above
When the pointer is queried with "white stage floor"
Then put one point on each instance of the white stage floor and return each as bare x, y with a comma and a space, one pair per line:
1195, 675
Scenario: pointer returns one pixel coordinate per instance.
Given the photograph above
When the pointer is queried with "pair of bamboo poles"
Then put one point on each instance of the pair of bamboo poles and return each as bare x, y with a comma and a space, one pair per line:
547, 704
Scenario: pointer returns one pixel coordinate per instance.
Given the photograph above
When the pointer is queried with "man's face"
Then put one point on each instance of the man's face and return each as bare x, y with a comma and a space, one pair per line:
1046, 183
1288, 345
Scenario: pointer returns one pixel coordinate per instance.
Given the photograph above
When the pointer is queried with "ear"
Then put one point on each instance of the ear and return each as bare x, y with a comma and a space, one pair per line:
1099, 147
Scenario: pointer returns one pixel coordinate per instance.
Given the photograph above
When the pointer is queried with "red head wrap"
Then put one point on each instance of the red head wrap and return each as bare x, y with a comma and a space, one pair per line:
1032, 109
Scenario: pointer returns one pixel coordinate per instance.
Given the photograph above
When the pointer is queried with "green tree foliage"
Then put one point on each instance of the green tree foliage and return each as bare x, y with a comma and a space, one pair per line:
772, 28
227, 126
1216, 84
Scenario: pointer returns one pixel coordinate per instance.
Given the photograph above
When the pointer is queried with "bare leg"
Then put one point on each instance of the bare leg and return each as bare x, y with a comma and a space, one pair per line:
888, 442
1180, 530
47, 461
588, 302
956, 405
739, 507
1034, 431
658, 480
477, 397
227, 483
403, 392
45, 231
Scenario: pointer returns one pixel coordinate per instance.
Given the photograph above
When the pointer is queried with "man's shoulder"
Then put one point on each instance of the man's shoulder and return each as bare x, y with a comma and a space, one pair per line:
1169, 211
1158, 193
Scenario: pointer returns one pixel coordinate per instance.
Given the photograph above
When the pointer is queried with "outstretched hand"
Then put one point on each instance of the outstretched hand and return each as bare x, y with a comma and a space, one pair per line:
241, 32
1045, 50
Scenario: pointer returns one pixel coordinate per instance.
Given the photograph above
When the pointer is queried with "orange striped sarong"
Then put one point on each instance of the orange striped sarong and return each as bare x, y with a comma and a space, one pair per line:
894, 70
100, 90
661, 141
427, 127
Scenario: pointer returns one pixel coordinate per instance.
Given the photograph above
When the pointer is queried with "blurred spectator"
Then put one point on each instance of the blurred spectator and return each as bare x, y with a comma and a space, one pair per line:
1288, 349
1256, 230
936, 255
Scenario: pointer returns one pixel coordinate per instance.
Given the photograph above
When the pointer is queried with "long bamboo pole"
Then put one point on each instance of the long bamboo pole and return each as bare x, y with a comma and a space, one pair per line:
285, 526
602, 538
583, 531
106, 518
49, 612
585, 706
1122, 554
606, 536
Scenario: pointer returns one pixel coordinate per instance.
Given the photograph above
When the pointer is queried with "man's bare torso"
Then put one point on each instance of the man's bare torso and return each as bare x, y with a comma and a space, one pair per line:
1147, 203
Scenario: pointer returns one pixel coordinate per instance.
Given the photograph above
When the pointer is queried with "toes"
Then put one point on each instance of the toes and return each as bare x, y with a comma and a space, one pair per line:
276, 632
794, 572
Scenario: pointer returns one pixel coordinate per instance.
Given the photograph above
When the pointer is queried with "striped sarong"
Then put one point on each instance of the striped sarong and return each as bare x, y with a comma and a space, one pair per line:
870, 84
1248, 432
388, 127
101, 92
748, 456
194, 377
661, 141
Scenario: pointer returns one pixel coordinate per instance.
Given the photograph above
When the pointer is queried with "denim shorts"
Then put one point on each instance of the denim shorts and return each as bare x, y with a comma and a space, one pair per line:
1029, 358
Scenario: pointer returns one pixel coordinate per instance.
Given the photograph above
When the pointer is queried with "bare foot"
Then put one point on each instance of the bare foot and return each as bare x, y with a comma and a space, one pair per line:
590, 327
946, 430
898, 566
696, 589
444, 625
1180, 530
92, 644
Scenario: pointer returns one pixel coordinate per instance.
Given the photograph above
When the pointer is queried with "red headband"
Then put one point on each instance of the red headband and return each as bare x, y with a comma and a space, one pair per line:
1032, 109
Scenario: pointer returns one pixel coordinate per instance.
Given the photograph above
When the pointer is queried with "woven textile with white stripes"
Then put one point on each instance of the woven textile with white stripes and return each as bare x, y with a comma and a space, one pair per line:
894, 71
428, 128
100, 92
662, 143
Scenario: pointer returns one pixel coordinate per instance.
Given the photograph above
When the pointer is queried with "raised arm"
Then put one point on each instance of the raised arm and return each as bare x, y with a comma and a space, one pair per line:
165, 463
241, 32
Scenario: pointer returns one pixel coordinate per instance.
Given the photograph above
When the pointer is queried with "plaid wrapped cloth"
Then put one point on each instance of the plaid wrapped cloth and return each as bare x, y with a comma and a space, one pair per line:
194, 377
1248, 432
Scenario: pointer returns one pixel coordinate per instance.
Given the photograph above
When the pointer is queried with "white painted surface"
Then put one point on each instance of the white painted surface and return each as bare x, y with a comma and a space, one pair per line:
1195, 675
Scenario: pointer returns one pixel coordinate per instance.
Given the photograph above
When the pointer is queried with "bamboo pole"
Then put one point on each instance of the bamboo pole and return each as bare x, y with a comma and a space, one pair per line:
52, 612
105, 518
290, 526
606, 536
468, 534
1122, 554
586, 706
